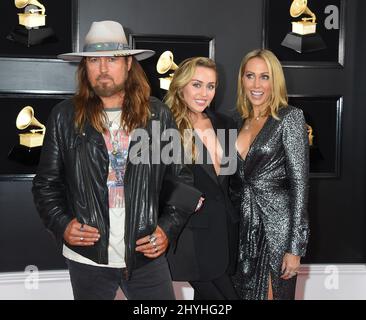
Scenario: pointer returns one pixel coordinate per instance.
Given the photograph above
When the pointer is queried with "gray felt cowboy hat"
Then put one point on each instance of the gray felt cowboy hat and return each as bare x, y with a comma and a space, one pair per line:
106, 39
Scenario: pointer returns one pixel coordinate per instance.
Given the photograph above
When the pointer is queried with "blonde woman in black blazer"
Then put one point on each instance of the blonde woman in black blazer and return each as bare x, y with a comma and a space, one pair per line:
205, 252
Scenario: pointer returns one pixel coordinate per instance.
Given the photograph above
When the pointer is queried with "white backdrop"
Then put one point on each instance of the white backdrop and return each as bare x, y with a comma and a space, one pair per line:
315, 282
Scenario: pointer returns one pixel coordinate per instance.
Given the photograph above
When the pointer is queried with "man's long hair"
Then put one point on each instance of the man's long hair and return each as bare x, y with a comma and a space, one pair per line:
135, 109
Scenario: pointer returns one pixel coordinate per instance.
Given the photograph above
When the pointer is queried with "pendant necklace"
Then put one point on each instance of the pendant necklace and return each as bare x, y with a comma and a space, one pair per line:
114, 137
248, 121
261, 114
114, 142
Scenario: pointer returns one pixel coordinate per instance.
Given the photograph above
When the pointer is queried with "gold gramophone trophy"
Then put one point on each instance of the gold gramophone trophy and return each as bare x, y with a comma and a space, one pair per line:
164, 65
309, 130
32, 28
315, 155
303, 37
29, 148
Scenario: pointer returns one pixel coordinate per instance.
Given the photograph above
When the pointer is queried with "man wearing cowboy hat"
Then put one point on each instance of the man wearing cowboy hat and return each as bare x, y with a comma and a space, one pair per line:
89, 190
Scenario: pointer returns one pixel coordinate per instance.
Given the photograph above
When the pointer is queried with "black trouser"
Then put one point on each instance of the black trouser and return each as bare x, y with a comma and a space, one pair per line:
218, 289
150, 282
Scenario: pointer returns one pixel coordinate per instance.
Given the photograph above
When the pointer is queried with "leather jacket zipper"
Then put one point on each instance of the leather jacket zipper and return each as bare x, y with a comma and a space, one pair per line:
127, 250
127, 198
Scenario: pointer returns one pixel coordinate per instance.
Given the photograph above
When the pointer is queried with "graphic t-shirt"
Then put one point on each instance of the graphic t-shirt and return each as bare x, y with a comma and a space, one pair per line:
117, 142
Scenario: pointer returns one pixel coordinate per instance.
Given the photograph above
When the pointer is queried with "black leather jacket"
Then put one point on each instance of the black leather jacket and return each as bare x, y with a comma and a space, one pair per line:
71, 182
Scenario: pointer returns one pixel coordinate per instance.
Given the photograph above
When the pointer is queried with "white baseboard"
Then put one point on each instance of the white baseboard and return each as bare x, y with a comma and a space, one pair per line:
34, 285
315, 282
332, 282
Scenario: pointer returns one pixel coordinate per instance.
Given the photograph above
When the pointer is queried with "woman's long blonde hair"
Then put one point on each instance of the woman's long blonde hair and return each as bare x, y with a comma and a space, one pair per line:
278, 97
175, 100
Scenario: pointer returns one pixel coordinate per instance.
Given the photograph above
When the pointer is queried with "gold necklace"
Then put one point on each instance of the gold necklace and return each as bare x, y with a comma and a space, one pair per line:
248, 121
262, 114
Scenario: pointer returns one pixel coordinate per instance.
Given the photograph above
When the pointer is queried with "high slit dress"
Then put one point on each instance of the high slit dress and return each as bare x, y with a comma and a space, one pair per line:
270, 189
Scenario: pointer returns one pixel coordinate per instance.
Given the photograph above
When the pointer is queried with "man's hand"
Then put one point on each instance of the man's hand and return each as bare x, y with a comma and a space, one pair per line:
77, 234
153, 245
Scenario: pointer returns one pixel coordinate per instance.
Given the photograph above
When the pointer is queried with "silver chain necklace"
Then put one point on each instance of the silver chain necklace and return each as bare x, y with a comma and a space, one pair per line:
114, 138
110, 122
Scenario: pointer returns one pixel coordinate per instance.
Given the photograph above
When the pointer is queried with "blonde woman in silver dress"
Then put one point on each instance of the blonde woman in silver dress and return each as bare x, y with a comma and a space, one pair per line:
270, 187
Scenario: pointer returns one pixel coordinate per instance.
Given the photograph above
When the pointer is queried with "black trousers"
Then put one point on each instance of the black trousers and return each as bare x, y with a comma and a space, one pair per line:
218, 289
150, 282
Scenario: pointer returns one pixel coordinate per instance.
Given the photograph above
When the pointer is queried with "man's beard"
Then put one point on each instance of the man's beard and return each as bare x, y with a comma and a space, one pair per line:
107, 89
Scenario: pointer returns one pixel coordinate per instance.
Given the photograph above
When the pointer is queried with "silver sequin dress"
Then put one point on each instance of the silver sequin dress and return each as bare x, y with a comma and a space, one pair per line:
270, 188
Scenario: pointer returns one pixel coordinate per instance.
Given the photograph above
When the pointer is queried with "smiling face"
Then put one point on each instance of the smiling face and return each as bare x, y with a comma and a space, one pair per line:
200, 90
257, 83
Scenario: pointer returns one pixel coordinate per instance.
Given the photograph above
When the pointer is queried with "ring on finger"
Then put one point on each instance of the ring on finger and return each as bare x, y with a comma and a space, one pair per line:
81, 238
288, 273
152, 238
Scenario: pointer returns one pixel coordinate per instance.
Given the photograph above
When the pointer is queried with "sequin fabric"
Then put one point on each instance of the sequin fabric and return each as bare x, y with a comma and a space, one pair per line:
270, 188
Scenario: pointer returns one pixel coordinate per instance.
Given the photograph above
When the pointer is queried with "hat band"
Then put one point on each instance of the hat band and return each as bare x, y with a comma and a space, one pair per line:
106, 46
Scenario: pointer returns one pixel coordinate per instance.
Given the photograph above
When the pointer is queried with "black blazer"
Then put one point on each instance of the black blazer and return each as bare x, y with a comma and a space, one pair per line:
207, 246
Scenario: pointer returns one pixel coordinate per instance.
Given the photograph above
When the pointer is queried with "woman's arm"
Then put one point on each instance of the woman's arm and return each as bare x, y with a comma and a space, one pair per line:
295, 142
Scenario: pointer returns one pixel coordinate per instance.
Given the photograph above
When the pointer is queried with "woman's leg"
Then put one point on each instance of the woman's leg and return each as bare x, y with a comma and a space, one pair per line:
270, 291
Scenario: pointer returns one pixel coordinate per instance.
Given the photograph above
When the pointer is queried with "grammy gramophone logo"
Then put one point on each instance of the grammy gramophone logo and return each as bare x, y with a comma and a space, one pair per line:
32, 29
165, 64
30, 143
304, 37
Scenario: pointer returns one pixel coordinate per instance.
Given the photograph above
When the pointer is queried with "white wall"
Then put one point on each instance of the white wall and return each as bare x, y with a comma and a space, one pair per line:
315, 282
332, 282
